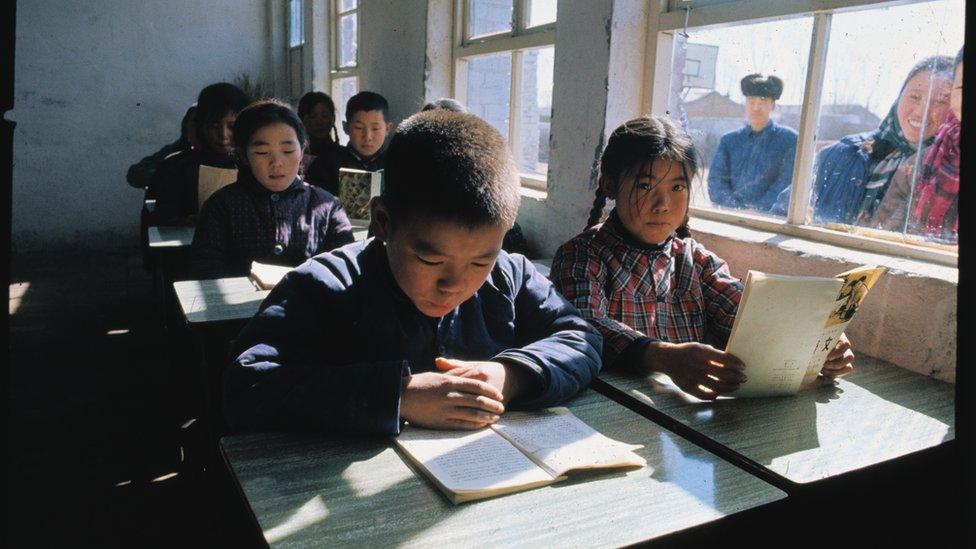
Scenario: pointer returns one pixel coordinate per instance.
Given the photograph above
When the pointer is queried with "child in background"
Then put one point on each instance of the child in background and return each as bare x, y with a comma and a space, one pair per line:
269, 214
174, 186
429, 322
366, 126
141, 173
318, 114
662, 302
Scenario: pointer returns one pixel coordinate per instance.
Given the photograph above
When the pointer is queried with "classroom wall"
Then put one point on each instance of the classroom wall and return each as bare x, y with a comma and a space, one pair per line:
392, 53
102, 83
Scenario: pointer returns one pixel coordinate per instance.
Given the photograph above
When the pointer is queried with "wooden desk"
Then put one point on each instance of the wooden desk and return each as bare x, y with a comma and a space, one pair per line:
170, 237
878, 413
219, 300
313, 490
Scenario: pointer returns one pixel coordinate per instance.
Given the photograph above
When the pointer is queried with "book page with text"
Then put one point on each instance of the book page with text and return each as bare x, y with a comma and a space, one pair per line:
856, 283
562, 442
471, 461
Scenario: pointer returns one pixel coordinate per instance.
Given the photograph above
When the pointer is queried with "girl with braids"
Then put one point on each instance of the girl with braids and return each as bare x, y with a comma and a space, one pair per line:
662, 302
321, 164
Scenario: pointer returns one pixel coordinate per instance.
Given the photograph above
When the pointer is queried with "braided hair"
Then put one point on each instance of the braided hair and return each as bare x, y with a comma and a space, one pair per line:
634, 144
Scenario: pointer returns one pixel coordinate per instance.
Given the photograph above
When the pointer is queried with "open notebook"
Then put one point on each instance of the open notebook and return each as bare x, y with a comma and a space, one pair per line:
787, 325
266, 276
523, 450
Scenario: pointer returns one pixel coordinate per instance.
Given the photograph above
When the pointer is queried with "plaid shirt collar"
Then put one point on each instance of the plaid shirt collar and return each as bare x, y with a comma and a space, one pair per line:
614, 234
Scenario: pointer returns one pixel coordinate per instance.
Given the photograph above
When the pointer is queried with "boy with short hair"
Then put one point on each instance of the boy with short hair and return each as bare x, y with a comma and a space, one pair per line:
366, 125
428, 322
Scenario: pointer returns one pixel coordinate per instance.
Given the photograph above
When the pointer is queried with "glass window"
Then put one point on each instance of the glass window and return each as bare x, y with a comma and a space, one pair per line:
342, 90
347, 40
487, 17
489, 89
745, 132
535, 111
346, 5
296, 32
887, 138
541, 12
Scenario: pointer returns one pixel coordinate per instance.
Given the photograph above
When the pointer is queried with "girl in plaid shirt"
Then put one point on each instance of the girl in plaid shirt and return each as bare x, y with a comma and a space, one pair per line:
662, 302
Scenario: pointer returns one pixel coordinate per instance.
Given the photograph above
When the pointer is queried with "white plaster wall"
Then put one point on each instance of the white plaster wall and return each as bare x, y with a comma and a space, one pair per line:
392, 53
908, 318
102, 83
579, 120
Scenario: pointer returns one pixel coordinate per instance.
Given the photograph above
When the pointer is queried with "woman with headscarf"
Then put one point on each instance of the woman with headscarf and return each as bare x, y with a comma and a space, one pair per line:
854, 173
935, 211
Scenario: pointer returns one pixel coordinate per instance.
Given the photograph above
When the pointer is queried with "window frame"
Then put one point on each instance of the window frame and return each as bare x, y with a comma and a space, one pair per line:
516, 41
719, 13
337, 72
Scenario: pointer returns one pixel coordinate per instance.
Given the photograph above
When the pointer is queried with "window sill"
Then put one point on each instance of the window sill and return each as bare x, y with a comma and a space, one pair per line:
808, 248
531, 187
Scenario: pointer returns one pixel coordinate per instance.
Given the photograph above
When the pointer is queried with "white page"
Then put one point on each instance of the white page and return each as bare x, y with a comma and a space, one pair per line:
211, 180
561, 441
471, 460
268, 276
778, 325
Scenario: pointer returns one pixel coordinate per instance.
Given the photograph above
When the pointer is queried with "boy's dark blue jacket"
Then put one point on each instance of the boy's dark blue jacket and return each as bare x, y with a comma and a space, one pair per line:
330, 345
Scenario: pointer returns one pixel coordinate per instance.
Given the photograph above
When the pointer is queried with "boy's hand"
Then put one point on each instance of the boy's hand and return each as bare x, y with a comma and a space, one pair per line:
441, 401
697, 369
508, 380
840, 360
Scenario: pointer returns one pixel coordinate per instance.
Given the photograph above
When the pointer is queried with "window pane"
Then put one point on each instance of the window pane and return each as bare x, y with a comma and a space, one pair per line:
746, 141
347, 40
871, 170
541, 12
489, 89
346, 5
342, 90
535, 112
487, 17
296, 33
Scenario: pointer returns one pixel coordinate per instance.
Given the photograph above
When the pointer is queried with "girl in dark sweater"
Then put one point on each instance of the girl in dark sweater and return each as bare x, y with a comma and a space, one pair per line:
269, 214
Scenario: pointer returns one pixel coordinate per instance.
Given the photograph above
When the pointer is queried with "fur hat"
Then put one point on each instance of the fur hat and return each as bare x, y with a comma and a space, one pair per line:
757, 85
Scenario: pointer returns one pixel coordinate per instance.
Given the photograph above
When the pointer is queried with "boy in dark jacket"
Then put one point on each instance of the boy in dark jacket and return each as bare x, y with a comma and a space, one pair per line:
428, 322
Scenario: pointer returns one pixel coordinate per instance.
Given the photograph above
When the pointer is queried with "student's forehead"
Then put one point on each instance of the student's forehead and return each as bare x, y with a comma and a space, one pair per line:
451, 237
367, 116
661, 168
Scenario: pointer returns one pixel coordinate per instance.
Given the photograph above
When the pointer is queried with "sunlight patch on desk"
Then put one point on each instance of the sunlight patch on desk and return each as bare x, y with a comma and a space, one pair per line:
119, 331
17, 291
308, 514
123, 483
362, 479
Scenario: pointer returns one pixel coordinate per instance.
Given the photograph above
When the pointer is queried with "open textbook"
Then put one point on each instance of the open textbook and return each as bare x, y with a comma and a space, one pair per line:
211, 180
356, 189
266, 276
523, 450
787, 325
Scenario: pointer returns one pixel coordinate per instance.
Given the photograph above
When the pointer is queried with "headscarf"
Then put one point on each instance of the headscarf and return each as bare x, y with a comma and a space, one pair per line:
888, 151
938, 189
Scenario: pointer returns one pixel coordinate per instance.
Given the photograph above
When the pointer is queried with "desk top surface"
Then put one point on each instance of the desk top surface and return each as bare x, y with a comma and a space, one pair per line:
879, 412
313, 489
170, 236
219, 299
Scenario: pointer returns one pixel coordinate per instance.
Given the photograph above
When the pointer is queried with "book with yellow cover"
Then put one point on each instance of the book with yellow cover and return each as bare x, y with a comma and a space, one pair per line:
787, 325
523, 450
